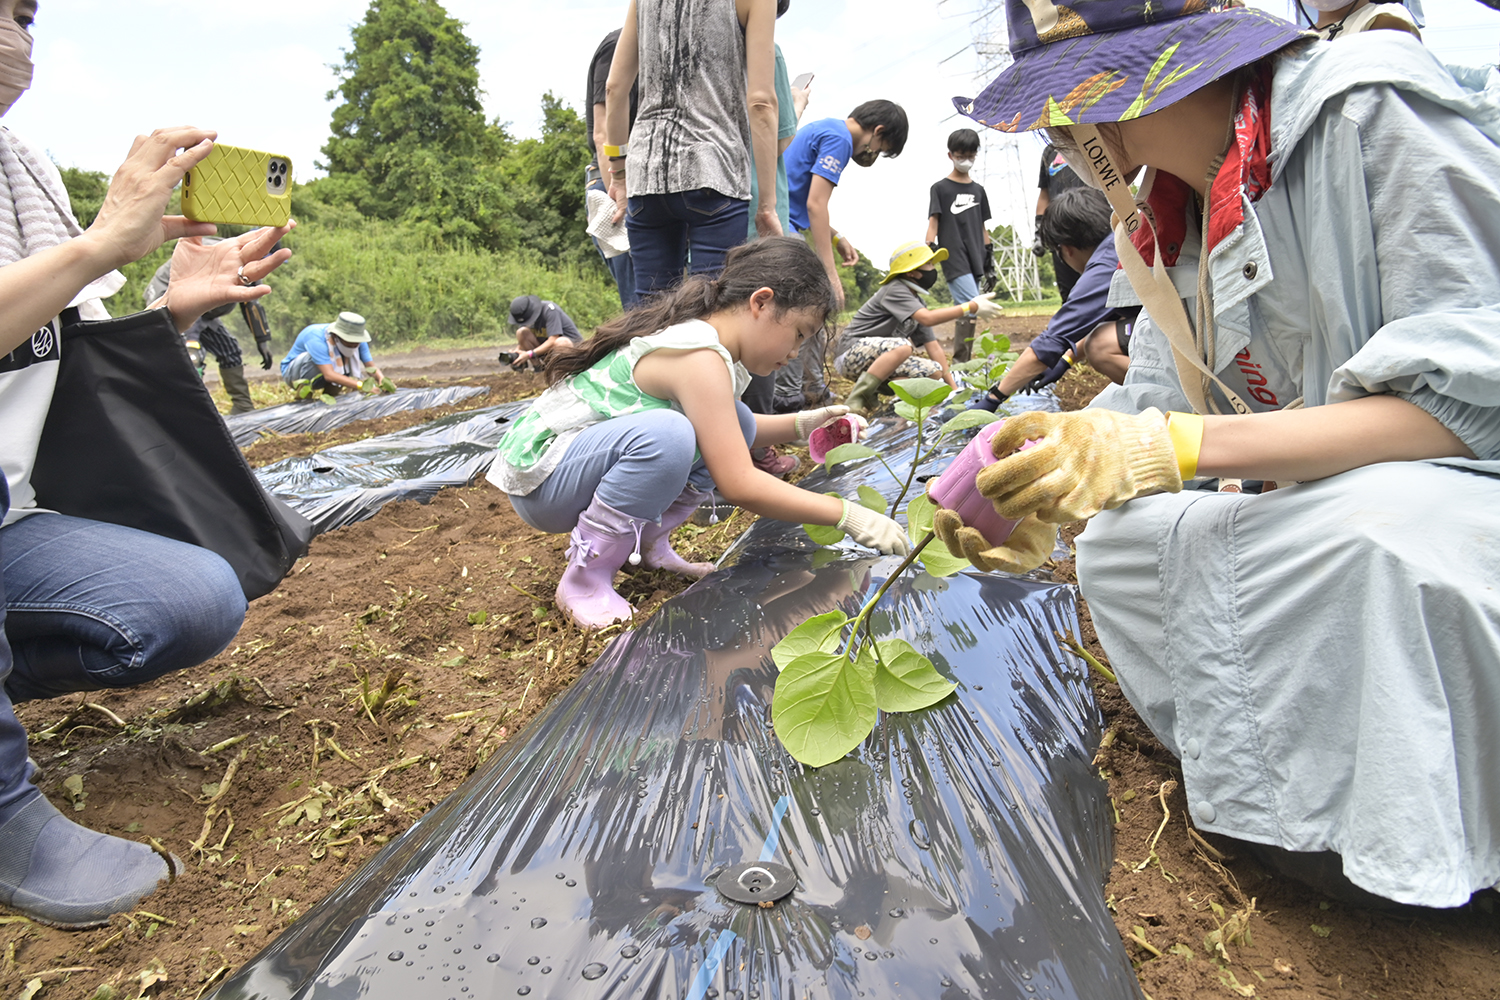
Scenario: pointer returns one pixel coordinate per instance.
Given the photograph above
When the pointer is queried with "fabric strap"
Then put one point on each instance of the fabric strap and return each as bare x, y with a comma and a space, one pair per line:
1151, 282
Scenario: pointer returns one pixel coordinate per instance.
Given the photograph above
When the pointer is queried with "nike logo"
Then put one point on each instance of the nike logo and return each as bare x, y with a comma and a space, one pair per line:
962, 203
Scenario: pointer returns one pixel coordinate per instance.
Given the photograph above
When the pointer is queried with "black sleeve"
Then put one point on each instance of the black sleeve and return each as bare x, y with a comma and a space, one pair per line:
1043, 181
935, 201
600, 75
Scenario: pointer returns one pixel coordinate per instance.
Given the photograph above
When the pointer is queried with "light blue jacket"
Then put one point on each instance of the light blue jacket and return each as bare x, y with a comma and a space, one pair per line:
1372, 264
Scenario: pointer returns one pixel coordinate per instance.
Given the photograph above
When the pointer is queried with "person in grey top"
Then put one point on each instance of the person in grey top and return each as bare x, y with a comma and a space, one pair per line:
705, 71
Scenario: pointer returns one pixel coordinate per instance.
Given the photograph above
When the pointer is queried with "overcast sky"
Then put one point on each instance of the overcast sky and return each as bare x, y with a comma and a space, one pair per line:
107, 69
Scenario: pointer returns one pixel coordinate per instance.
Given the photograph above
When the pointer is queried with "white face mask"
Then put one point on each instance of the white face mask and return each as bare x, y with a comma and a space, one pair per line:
963, 166
1327, 4
15, 63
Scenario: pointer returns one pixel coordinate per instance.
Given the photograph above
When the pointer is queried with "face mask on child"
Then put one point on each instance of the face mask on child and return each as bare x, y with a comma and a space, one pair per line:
926, 279
963, 166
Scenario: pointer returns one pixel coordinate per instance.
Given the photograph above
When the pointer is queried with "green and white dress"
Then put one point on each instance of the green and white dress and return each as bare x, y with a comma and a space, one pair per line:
535, 446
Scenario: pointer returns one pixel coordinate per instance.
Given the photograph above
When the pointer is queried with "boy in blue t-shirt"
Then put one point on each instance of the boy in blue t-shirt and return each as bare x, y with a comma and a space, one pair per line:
815, 161
333, 356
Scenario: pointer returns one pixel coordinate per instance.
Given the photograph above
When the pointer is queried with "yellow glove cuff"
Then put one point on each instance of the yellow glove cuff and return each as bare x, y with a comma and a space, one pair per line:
1186, 432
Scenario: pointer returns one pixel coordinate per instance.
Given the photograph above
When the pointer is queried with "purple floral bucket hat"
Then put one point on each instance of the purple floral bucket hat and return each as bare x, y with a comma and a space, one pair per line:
1114, 60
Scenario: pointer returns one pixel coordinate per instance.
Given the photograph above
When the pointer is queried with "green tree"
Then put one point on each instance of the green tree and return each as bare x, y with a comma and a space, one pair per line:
410, 140
545, 176
86, 190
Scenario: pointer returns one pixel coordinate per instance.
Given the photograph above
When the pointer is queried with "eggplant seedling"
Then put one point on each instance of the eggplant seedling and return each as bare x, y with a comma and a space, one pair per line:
835, 676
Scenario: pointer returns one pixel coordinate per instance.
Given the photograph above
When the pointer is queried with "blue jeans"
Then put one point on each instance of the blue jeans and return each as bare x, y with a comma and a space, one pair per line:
15, 766
621, 266
94, 605
637, 464
963, 289
688, 232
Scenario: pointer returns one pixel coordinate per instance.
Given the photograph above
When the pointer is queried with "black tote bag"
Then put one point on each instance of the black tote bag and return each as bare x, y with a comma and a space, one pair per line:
133, 438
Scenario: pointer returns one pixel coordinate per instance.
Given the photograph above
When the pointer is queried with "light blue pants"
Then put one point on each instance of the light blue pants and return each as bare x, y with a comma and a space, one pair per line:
963, 289
637, 464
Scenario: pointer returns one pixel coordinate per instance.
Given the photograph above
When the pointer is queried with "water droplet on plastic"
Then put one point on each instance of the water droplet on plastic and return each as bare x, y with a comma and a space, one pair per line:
570, 883
896, 911
493, 958
546, 969
396, 956
629, 951
919, 835
871, 955
522, 991
390, 921
594, 970
945, 982
817, 812
537, 923
534, 960
1026, 976
438, 888
932, 940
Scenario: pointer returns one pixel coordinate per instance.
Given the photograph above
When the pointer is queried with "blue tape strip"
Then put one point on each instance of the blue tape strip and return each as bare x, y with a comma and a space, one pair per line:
705, 976
773, 838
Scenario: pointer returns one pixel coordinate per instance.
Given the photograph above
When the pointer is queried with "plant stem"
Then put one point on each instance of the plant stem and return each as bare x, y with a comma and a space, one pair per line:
869, 605
916, 459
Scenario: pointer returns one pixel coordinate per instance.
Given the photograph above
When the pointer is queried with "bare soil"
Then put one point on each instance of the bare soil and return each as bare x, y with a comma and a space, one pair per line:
405, 649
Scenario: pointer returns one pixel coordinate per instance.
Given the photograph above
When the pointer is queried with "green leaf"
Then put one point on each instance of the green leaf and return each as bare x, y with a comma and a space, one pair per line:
848, 453
824, 534
919, 512
937, 560
818, 634
824, 705
905, 680
969, 418
326, 399
906, 411
871, 498
917, 391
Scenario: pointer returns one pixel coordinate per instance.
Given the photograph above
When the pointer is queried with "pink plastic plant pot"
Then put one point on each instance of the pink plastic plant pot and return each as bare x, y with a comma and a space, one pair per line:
840, 430
955, 489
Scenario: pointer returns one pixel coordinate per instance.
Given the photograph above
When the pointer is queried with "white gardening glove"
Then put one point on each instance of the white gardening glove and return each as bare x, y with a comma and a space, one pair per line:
985, 306
807, 421
875, 530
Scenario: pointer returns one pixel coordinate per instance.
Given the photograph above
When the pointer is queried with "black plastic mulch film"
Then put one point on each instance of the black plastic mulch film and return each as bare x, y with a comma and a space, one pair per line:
311, 415
959, 852
350, 482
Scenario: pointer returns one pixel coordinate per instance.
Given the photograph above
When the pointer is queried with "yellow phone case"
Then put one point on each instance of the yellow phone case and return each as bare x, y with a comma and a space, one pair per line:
243, 187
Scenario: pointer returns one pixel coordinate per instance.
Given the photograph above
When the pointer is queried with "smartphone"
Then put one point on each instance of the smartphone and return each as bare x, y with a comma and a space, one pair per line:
802, 81
242, 187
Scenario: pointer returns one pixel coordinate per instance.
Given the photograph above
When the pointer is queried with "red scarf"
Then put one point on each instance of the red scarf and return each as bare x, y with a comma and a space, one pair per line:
1247, 168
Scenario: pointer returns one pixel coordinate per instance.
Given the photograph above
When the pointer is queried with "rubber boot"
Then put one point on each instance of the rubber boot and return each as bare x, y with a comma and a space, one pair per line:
59, 873
865, 395
963, 338
656, 539
237, 388
603, 541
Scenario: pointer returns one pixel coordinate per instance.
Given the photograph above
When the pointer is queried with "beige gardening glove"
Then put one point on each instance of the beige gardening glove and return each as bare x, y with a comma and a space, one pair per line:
985, 306
1028, 546
875, 530
1082, 463
807, 421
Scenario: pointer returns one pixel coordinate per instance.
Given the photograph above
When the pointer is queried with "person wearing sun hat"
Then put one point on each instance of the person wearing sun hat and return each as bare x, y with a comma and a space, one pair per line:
333, 357
1321, 657
884, 333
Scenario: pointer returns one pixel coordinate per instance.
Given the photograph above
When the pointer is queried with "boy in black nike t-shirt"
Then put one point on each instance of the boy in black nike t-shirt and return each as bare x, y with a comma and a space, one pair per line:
956, 215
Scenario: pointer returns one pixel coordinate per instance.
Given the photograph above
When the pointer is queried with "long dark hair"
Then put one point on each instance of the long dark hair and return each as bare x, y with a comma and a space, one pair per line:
784, 264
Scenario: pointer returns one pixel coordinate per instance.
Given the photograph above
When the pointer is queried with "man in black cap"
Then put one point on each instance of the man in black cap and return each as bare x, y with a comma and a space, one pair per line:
540, 326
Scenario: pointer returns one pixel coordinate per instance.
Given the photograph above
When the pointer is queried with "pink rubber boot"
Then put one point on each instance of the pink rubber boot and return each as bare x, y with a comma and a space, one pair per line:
604, 540
656, 539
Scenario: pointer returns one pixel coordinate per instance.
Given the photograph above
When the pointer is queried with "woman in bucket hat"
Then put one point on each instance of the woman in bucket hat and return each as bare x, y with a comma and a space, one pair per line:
1321, 657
